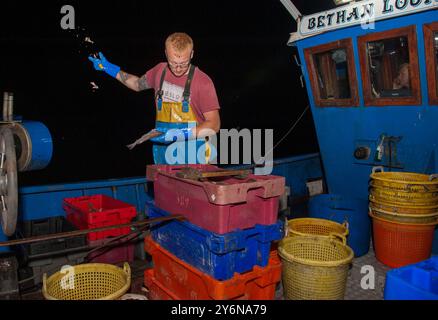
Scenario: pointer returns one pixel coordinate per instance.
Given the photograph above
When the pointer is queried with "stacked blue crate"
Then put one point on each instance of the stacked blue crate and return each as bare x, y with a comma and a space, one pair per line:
219, 255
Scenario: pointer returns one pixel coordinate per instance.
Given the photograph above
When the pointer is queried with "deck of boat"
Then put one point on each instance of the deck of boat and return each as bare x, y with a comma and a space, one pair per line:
360, 284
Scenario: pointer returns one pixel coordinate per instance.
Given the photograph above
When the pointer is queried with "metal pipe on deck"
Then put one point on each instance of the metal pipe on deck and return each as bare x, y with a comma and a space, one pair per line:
71, 234
5, 105
10, 111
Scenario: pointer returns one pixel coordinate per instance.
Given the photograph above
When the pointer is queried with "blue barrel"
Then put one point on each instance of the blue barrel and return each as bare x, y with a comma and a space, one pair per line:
33, 145
339, 208
42, 146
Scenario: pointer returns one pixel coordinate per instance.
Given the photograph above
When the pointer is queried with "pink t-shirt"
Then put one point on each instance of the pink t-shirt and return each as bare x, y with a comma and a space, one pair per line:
203, 97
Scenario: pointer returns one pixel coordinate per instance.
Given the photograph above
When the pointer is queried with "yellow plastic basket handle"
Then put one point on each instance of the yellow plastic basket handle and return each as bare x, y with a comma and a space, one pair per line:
346, 225
127, 269
336, 236
378, 167
286, 227
45, 282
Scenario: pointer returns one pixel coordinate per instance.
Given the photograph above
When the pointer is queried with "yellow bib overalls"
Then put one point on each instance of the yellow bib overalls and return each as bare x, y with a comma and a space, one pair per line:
178, 115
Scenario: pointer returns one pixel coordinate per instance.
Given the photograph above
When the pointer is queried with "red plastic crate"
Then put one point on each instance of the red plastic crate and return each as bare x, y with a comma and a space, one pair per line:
97, 211
188, 283
219, 205
119, 251
157, 291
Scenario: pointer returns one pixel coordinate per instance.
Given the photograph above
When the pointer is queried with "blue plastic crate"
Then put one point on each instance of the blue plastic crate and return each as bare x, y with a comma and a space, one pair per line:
217, 255
413, 282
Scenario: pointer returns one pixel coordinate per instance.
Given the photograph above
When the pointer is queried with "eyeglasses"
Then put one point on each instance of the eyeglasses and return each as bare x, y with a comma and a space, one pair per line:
181, 65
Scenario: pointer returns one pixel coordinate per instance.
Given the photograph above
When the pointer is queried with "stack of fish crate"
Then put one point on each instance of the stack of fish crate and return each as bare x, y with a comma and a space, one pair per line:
224, 248
96, 211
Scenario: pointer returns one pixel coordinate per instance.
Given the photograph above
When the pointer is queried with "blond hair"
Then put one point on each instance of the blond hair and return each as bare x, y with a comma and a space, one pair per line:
179, 41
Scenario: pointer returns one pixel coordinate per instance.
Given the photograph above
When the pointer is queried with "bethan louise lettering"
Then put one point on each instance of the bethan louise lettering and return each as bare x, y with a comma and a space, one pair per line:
362, 12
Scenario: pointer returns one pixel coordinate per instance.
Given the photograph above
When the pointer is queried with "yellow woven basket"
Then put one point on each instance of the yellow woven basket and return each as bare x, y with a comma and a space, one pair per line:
424, 198
406, 187
314, 268
404, 203
407, 181
404, 218
92, 281
315, 227
411, 208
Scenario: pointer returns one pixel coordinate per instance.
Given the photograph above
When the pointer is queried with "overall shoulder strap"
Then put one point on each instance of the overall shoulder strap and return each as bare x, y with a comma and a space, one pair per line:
159, 94
186, 93
160, 90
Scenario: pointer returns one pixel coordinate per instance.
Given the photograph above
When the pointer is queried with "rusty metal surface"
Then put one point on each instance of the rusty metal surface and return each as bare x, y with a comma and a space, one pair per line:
196, 174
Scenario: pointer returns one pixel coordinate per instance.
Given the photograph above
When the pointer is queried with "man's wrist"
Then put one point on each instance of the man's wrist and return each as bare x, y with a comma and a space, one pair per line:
112, 70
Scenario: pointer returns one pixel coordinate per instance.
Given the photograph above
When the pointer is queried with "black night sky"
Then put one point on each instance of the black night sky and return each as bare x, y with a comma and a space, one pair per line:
240, 44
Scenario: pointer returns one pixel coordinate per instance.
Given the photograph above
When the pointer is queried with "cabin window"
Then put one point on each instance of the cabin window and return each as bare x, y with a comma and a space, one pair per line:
332, 74
331, 70
389, 65
431, 51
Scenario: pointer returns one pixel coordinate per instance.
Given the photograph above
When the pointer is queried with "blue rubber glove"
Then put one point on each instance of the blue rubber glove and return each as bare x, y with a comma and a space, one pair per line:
101, 64
173, 135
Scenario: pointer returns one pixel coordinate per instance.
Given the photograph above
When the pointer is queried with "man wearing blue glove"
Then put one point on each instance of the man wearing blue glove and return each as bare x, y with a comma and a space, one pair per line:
187, 107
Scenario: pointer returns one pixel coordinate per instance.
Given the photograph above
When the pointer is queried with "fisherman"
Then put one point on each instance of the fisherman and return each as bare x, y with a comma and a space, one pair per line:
187, 107
401, 85
402, 79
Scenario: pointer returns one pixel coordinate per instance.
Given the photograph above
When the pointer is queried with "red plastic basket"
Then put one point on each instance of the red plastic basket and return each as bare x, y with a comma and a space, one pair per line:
399, 244
219, 205
185, 282
97, 211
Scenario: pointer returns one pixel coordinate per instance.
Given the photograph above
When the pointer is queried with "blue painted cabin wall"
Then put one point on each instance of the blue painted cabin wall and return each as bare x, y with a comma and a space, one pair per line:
298, 172
338, 128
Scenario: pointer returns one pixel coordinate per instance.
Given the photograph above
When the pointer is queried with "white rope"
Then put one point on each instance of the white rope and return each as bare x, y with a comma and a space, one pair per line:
288, 132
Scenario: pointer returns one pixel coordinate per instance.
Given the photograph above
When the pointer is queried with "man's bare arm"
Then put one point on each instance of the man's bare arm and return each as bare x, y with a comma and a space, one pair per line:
212, 122
133, 82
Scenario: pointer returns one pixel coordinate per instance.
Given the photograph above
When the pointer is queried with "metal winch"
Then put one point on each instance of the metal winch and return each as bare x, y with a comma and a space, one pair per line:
24, 146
